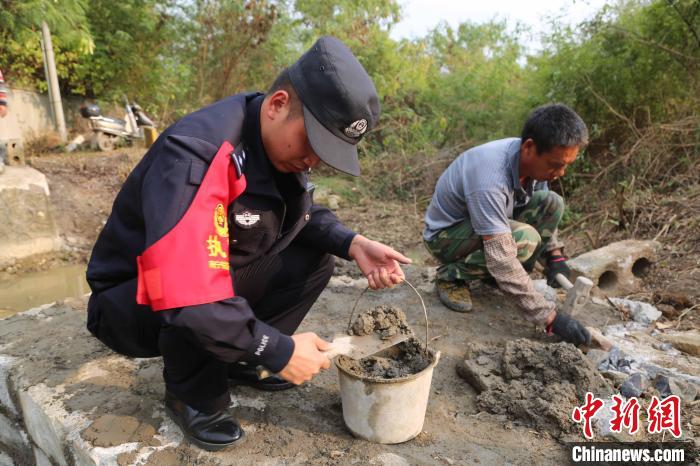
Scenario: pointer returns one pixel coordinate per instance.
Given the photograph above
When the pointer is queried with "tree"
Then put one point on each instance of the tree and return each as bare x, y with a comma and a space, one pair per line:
229, 46
20, 30
633, 64
133, 53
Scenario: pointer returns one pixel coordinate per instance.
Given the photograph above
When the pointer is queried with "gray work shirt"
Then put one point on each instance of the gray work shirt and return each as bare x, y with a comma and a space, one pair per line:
483, 185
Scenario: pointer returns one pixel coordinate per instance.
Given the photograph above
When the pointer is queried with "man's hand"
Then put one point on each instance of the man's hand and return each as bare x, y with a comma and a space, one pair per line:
556, 263
570, 330
307, 359
378, 262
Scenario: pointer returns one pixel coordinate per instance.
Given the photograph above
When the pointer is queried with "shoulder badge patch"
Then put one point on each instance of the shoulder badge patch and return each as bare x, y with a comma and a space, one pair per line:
238, 158
247, 219
215, 246
220, 221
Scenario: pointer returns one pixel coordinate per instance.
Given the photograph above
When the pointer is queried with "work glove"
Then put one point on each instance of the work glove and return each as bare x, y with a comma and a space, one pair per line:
569, 329
555, 265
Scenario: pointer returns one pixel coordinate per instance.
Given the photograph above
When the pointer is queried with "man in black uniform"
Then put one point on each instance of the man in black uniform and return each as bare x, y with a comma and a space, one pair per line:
156, 269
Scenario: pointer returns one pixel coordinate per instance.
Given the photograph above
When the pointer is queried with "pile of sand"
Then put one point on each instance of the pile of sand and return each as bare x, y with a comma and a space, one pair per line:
532, 383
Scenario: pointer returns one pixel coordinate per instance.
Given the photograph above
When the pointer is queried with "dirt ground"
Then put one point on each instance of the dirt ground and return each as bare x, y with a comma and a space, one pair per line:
307, 423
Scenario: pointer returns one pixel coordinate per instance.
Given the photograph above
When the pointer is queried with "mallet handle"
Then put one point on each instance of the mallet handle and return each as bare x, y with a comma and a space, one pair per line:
563, 281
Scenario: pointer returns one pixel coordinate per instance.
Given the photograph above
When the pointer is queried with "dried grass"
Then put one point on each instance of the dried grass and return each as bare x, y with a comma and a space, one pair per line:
650, 190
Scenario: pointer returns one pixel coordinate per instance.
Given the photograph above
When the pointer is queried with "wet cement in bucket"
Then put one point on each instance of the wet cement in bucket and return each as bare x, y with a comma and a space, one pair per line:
402, 360
386, 321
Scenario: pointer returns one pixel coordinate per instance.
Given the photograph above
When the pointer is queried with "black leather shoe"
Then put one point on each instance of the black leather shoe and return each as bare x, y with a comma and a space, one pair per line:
210, 432
239, 374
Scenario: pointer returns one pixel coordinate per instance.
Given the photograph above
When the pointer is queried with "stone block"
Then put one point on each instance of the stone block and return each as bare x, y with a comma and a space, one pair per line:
634, 386
688, 342
15, 153
617, 267
12, 152
28, 225
6, 364
62, 381
596, 356
44, 431
617, 378
40, 458
12, 435
5, 459
685, 391
644, 313
549, 293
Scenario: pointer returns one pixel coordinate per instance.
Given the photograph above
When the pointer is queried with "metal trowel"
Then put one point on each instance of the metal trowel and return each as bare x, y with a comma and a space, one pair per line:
358, 347
352, 346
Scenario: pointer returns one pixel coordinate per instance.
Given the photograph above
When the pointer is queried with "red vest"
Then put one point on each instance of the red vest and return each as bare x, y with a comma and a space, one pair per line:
190, 264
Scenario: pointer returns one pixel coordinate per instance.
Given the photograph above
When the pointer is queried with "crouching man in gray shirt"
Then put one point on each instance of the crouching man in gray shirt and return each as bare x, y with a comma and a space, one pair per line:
492, 217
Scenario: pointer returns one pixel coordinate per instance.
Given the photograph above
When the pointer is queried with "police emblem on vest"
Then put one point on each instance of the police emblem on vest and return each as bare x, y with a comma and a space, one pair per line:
246, 219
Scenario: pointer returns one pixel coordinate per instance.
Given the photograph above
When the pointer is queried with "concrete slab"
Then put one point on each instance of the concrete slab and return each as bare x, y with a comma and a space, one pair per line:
28, 227
45, 431
617, 267
40, 458
14, 440
6, 364
5, 460
12, 434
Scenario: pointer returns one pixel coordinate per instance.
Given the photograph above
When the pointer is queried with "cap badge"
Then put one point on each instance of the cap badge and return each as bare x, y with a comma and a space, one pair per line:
356, 129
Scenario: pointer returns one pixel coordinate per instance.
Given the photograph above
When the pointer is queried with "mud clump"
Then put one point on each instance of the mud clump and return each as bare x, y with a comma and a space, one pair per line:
404, 359
110, 430
407, 358
532, 383
387, 321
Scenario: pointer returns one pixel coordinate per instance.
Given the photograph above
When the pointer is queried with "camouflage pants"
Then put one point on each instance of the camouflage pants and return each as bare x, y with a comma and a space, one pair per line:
461, 251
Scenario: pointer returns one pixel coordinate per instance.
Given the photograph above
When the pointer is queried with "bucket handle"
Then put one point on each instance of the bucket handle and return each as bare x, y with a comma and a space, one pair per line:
425, 311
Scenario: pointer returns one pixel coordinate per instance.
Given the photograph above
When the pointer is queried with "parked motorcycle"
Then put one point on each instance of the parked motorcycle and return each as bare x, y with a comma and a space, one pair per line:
107, 131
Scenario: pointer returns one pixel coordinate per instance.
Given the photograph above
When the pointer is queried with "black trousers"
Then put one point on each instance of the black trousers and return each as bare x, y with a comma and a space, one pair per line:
280, 289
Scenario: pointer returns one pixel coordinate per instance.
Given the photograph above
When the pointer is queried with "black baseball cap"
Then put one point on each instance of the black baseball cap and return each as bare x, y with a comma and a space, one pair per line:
339, 99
